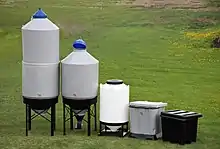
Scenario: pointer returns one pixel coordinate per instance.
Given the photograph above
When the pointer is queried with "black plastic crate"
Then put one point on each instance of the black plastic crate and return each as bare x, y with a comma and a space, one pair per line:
179, 126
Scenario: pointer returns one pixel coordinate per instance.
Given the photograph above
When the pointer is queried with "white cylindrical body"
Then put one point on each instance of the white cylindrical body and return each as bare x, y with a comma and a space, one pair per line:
40, 81
80, 73
40, 41
114, 102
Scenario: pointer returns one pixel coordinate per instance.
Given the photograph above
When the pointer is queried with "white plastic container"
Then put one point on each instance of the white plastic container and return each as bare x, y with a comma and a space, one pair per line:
40, 81
80, 73
145, 119
114, 102
40, 40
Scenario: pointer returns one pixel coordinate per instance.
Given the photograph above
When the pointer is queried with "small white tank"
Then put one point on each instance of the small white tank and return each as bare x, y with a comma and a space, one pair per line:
114, 102
80, 73
40, 81
40, 40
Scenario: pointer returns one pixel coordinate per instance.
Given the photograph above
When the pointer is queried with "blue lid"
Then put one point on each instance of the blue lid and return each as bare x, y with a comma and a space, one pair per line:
40, 14
79, 44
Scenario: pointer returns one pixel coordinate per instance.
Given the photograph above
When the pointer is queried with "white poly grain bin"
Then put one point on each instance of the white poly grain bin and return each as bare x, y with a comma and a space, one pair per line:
145, 121
40, 81
80, 73
114, 102
40, 40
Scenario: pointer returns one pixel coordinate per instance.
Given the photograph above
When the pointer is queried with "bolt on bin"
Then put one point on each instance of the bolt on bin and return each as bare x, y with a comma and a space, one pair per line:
179, 126
145, 120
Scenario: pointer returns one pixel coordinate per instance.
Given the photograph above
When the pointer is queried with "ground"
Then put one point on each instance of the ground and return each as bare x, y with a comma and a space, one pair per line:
163, 54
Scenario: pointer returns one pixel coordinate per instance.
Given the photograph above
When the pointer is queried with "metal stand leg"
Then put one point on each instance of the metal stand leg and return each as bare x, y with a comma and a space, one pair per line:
100, 128
127, 127
27, 120
52, 120
29, 117
104, 130
95, 117
69, 107
122, 130
89, 129
71, 118
45, 109
64, 119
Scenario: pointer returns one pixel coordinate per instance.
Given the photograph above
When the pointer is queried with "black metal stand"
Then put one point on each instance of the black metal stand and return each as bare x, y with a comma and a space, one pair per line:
105, 131
143, 136
69, 105
43, 105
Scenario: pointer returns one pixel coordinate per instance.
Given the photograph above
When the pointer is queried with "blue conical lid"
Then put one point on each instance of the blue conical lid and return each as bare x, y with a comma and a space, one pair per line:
40, 14
79, 44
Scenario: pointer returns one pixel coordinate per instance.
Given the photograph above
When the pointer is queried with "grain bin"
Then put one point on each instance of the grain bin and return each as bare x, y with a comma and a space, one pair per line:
80, 74
114, 102
40, 67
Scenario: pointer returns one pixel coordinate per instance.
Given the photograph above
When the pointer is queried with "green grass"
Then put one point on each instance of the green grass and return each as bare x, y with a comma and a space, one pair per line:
144, 47
214, 3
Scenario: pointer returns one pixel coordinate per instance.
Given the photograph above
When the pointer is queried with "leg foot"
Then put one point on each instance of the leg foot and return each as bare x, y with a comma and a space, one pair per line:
64, 119
52, 120
95, 116
71, 118
89, 125
27, 119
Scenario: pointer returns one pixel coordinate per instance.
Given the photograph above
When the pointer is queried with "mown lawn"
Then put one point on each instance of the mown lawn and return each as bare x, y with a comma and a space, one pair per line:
147, 48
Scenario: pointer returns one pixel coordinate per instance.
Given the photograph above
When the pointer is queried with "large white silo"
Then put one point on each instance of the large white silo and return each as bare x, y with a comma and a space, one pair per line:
80, 76
40, 66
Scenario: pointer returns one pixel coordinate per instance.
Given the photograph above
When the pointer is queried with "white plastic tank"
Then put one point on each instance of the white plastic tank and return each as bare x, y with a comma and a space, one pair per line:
80, 73
40, 40
145, 120
40, 65
114, 102
40, 80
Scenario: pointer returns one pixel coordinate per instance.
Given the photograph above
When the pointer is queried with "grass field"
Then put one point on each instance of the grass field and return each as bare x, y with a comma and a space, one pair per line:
146, 47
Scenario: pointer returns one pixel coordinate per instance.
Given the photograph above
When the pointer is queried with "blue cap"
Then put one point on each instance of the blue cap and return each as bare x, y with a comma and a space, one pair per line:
79, 44
40, 14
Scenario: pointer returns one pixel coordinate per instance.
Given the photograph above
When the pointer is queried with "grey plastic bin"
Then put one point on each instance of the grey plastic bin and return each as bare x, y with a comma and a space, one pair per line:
145, 120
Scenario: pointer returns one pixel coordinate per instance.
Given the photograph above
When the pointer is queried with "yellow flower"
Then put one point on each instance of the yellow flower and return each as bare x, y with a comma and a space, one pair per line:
195, 35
